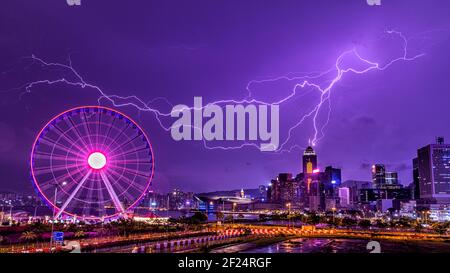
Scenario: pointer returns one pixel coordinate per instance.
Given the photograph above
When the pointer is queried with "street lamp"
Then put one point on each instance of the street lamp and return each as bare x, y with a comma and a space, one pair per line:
333, 209
10, 214
234, 209
288, 205
54, 210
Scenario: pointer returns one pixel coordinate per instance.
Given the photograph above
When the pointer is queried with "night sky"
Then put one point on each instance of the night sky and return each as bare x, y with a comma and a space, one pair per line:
213, 49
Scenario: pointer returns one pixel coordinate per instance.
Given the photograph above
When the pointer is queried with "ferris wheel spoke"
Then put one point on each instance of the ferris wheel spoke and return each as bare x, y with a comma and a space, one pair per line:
112, 193
88, 130
132, 161
72, 195
55, 168
49, 183
42, 155
131, 182
100, 194
61, 147
77, 132
99, 123
120, 133
130, 152
109, 130
67, 138
123, 190
125, 143
135, 172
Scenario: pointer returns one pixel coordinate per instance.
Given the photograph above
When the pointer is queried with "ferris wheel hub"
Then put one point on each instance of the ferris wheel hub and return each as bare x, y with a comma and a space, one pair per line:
97, 160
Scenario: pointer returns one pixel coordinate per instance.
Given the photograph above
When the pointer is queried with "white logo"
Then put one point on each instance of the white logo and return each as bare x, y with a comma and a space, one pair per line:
73, 2
236, 128
373, 2
374, 246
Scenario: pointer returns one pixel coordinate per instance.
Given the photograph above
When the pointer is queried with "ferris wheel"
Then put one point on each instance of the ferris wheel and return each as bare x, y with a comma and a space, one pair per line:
91, 162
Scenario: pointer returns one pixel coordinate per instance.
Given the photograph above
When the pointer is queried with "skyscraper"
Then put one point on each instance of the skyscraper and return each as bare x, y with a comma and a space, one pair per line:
309, 160
344, 197
331, 180
378, 175
382, 179
416, 179
434, 172
355, 188
284, 189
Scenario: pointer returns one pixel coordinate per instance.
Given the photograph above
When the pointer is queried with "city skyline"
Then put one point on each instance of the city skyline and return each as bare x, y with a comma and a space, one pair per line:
309, 151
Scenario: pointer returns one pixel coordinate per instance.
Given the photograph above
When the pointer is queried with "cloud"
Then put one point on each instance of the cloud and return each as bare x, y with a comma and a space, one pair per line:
7, 138
364, 121
365, 166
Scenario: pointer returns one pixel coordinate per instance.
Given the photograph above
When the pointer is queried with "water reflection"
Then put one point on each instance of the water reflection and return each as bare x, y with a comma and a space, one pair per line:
325, 245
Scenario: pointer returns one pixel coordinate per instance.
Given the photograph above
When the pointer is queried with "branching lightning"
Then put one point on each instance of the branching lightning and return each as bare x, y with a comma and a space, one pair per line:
299, 83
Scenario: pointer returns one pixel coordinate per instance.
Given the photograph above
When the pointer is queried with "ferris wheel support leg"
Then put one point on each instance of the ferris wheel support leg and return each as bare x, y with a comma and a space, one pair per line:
72, 195
112, 193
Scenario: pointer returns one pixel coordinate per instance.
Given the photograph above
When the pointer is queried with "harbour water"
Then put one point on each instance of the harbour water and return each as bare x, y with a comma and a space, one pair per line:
326, 245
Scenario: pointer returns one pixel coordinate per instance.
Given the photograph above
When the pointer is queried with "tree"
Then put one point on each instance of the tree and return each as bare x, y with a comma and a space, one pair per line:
80, 234
313, 218
28, 236
124, 225
198, 218
39, 227
404, 222
219, 215
418, 226
441, 228
347, 221
364, 223
380, 223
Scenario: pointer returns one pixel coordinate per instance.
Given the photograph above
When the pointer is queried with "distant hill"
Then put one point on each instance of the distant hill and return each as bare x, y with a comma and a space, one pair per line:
251, 192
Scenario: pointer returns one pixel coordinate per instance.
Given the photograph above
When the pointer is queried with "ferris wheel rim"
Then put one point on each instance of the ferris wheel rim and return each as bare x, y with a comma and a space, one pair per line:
53, 206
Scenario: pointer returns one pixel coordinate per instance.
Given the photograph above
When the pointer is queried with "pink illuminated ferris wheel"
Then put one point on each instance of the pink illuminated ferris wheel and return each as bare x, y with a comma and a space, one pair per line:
91, 162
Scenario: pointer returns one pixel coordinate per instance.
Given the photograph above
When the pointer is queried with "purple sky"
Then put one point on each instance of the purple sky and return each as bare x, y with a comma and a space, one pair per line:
182, 49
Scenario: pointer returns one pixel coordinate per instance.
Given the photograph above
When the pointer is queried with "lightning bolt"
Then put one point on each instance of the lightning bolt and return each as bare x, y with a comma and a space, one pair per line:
309, 81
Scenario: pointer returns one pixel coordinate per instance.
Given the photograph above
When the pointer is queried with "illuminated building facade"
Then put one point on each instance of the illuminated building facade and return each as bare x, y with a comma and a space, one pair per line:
284, 189
416, 179
383, 179
434, 172
344, 197
311, 189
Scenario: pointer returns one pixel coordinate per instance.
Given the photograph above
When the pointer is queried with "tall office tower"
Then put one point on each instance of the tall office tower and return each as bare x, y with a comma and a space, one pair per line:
332, 176
284, 189
331, 180
378, 175
344, 197
391, 178
416, 179
434, 172
309, 160
382, 179
355, 189
310, 173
